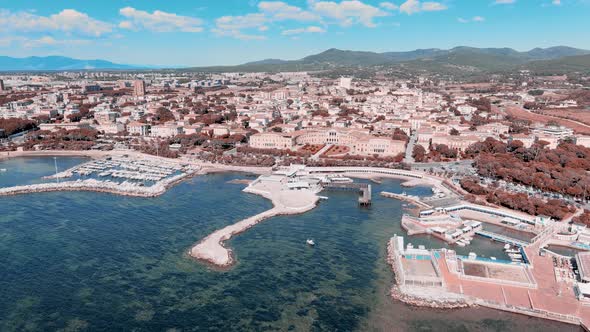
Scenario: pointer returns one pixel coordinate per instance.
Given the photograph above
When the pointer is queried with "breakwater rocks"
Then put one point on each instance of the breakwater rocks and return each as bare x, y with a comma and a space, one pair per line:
419, 300
125, 188
212, 250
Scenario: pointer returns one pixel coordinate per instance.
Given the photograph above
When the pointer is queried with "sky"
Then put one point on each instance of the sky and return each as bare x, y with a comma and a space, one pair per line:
229, 32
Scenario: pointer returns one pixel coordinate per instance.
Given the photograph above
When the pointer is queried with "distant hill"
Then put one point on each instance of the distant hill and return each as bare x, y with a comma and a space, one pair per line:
462, 58
50, 63
579, 63
266, 62
346, 58
555, 52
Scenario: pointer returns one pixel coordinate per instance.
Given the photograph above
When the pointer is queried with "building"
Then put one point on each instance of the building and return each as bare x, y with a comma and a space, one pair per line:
105, 117
138, 88
92, 88
559, 132
138, 128
2, 88
345, 82
111, 128
166, 130
358, 142
583, 260
272, 141
66, 126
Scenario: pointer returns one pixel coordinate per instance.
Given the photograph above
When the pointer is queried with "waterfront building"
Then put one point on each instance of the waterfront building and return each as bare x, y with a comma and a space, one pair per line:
359, 142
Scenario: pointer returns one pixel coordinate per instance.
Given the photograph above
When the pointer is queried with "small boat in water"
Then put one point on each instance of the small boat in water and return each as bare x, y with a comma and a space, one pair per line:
310, 242
2, 169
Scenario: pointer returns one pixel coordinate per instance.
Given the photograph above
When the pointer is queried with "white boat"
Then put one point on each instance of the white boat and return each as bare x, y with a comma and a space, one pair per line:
460, 243
340, 179
2, 169
512, 251
506, 246
493, 258
310, 242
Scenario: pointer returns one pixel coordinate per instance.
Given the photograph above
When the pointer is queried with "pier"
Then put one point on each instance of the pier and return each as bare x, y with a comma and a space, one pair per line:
502, 238
364, 190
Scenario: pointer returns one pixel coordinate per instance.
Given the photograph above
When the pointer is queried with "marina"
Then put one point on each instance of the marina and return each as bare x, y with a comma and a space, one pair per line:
124, 175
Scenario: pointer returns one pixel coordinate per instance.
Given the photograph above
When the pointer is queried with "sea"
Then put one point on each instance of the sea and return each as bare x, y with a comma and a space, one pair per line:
86, 261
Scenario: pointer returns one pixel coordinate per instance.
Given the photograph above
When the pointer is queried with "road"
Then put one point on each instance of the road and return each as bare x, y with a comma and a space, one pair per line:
409, 159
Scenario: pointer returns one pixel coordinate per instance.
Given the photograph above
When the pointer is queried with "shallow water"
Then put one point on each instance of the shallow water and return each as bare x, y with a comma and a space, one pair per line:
100, 262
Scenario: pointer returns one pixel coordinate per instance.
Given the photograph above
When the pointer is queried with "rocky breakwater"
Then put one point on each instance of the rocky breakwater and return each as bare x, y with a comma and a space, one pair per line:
125, 188
211, 249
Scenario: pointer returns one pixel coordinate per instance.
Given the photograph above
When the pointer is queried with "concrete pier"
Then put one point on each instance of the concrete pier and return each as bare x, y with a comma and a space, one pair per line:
364, 190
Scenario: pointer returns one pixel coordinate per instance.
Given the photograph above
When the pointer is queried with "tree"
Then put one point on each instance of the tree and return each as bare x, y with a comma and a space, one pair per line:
419, 153
454, 132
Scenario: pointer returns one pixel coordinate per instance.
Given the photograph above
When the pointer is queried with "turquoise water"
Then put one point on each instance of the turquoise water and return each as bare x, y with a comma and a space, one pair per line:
99, 262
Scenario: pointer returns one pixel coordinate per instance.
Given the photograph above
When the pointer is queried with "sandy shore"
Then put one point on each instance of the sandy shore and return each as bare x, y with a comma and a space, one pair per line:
212, 250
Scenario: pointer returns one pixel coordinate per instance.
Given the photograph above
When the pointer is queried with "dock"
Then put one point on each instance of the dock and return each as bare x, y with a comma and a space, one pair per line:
406, 198
364, 190
502, 238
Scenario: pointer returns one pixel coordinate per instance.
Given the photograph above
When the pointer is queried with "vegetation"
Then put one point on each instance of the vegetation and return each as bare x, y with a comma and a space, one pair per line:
554, 208
562, 170
14, 125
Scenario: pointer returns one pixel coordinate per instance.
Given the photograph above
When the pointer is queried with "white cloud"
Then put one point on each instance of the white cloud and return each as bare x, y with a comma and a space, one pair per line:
348, 12
237, 34
504, 2
388, 6
68, 20
415, 6
126, 25
159, 21
50, 41
433, 6
311, 29
6, 41
476, 19
241, 22
278, 11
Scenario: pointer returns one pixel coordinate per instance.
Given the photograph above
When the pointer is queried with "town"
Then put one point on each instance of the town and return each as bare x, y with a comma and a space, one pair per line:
506, 155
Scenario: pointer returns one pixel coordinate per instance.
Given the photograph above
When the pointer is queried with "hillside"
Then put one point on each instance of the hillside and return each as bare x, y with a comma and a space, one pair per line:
460, 59
580, 63
50, 63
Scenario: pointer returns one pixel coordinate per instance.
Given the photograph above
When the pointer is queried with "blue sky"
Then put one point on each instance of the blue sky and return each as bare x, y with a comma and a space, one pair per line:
216, 32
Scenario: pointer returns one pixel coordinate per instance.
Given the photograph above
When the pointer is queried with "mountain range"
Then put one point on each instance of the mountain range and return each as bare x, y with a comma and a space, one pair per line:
50, 63
462, 60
